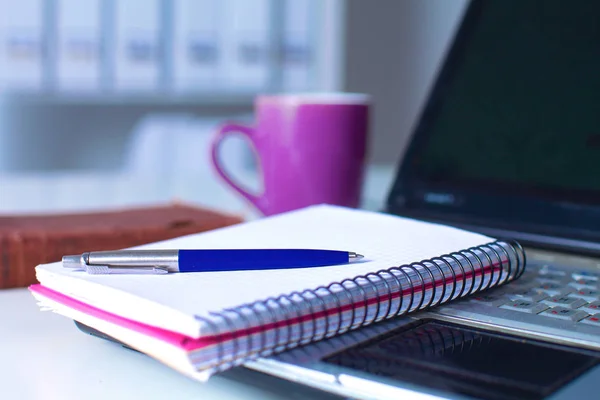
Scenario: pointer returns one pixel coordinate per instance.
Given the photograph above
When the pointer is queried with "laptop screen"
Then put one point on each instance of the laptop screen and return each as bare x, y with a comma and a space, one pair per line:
510, 135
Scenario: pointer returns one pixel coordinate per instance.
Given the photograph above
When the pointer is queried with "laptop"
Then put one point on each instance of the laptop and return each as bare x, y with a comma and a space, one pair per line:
507, 144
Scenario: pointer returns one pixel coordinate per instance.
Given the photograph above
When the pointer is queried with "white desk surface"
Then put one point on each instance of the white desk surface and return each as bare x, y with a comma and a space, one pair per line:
44, 356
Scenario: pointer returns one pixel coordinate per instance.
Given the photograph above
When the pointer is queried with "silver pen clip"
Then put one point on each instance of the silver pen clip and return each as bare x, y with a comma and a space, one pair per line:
137, 270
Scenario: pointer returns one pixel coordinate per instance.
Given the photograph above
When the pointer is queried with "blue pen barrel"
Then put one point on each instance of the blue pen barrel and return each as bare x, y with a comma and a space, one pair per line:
253, 259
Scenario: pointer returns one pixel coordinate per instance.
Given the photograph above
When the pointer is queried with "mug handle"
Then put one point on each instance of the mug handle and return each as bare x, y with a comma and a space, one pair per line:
219, 137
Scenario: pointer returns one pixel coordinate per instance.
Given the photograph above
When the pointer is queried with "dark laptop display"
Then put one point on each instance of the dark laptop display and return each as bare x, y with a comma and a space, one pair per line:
510, 136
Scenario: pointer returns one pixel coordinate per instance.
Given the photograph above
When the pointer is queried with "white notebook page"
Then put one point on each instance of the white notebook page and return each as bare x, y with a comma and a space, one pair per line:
171, 301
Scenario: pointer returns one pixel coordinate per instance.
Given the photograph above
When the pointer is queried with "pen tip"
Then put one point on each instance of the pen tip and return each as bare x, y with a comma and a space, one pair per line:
355, 256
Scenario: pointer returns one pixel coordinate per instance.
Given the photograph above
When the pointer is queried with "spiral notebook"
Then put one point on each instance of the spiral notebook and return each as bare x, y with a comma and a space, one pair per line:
202, 323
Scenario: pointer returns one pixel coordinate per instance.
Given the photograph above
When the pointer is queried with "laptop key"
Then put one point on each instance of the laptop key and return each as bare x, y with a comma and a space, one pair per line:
525, 306
584, 284
529, 295
584, 274
548, 270
589, 295
552, 280
564, 313
565, 301
592, 320
591, 308
554, 289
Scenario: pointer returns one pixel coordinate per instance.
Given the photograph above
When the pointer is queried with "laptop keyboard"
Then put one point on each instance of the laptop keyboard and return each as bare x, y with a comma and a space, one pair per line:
551, 302
551, 292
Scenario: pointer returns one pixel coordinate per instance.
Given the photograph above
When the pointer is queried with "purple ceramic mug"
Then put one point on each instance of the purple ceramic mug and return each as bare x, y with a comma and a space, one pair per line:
311, 150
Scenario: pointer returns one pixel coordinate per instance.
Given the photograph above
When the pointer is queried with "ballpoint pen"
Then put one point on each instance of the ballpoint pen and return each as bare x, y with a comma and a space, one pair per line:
203, 260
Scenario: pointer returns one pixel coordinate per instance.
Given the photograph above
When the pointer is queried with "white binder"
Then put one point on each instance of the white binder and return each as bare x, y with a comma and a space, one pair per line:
79, 29
297, 47
246, 30
196, 46
137, 45
21, 46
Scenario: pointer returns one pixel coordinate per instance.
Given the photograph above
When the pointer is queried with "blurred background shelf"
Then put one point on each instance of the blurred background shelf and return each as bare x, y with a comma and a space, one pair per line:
188, 47
78, 78
68, 110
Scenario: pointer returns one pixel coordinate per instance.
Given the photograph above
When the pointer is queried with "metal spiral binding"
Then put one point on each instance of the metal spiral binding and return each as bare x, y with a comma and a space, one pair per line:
463, 273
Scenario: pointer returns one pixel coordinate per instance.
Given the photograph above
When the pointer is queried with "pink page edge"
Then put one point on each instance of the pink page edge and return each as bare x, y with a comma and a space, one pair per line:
174, 338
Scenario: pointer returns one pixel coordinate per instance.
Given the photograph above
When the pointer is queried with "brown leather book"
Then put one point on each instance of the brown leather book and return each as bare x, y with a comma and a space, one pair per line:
29, 240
